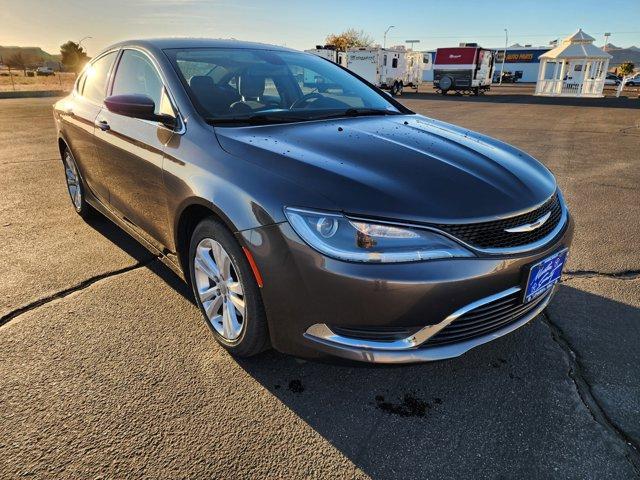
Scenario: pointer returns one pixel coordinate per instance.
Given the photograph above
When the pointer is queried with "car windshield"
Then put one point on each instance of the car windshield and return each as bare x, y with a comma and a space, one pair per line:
240, 86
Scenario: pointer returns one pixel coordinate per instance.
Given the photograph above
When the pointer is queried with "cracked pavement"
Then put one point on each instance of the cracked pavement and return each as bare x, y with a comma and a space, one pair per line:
109, 371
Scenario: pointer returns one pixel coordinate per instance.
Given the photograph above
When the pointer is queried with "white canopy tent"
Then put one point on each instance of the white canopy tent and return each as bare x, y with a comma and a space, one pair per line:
575, 68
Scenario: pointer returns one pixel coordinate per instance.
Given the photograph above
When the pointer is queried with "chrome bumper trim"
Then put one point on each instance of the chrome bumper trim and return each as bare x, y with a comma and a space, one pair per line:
406, 350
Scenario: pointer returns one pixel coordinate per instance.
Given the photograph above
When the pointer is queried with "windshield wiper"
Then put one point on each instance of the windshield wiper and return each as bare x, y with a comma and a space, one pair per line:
359, 112
258, 119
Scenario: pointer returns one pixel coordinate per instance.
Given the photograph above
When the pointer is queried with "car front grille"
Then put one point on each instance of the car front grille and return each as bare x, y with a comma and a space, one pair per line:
493, 235
485, 319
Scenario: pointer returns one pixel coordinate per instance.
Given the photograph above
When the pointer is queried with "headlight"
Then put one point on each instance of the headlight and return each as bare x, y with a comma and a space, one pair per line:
339, 237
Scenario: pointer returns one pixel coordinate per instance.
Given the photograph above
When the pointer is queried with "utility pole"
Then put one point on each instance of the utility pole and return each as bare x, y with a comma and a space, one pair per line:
384, 42
504, 57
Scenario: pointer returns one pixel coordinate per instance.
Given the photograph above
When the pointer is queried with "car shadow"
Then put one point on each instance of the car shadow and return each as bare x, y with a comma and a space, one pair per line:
459, 417
504, 409
628, 99
131, 247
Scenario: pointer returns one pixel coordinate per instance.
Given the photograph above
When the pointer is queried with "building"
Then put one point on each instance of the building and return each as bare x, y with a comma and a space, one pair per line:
575, 68
522, 62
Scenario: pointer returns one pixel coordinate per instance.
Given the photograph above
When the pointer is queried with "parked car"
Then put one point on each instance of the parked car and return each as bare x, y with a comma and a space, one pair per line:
507, 77
321, 222
611, 79
633, 81
44, 71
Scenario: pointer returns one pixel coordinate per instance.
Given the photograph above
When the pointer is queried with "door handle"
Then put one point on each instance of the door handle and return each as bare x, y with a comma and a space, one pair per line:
103, 125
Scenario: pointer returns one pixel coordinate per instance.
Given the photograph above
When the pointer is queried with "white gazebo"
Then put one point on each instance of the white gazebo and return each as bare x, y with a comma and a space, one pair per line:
575, 68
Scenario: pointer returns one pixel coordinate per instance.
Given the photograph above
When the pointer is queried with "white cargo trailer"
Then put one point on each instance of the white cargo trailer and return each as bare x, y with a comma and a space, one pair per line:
385, 68
415, 67
330, 54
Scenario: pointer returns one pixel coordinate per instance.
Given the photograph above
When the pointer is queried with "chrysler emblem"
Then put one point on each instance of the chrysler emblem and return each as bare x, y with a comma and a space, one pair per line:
527, 227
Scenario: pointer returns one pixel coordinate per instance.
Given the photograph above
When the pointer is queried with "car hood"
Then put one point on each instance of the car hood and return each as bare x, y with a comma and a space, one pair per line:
405, 167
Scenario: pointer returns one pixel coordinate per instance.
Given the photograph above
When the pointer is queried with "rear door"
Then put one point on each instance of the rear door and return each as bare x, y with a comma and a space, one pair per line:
79, 116
131, 149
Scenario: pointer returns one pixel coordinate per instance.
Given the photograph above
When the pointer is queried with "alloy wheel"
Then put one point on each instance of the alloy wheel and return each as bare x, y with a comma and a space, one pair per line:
219, 289
73, 180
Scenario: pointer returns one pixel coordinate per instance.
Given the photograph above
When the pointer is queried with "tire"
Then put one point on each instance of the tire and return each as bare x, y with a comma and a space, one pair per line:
394, 89
446, 83
399, 89
240, 330
75, 185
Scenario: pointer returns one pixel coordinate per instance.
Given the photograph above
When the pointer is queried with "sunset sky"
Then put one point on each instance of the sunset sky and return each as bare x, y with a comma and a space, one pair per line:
301, 25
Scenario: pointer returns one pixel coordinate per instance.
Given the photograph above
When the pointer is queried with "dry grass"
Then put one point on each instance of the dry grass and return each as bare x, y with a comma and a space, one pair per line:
59, 81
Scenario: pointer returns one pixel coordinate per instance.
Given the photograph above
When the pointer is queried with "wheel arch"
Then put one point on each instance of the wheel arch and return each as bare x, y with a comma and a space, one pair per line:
62, 145
193, 212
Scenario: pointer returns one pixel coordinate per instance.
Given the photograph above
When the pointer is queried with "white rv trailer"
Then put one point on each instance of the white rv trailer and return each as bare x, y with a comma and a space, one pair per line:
330, 53
415, 66
385, 68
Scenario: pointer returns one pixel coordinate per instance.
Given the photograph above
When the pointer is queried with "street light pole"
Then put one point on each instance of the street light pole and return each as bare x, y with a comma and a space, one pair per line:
83, 39
79, 43
384, 42
504, 57
606, 40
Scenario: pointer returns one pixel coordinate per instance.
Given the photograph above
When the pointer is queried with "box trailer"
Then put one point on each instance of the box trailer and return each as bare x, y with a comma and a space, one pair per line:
385, 68
415, 68
464, 69
330, 53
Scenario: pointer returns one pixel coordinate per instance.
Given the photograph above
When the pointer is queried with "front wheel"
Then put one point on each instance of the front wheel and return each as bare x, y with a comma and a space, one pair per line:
226, 290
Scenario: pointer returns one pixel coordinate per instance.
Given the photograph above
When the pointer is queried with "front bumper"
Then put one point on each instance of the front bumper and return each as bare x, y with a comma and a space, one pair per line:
309, 298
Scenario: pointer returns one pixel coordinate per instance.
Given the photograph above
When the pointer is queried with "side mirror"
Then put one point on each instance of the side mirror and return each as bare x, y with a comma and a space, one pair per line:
137, 106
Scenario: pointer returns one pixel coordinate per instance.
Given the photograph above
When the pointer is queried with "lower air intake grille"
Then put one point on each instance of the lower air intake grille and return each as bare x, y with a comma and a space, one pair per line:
485, 319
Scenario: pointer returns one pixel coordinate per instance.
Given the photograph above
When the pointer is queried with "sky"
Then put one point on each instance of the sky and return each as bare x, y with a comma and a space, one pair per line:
302, 25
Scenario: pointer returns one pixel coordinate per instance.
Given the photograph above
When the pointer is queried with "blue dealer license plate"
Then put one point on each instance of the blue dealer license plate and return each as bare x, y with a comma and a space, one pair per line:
545, 274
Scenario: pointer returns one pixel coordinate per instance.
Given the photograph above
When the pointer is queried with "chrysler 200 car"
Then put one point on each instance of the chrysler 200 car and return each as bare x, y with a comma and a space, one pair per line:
308, 210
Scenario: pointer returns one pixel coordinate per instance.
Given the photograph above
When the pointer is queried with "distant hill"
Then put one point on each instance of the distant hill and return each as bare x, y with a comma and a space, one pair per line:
622, 55
35, 54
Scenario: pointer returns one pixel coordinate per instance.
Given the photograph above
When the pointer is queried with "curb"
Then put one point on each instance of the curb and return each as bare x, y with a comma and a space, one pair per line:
34, 94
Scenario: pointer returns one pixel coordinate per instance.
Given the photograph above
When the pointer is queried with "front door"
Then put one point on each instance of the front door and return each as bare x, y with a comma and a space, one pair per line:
131, 150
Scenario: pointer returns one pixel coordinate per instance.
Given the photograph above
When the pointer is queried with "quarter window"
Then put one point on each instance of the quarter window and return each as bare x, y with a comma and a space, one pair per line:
97, 75
137, 75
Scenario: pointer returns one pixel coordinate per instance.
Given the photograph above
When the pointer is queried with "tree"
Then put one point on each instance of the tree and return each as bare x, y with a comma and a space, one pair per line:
17, 60
73, 56
349, 38
626, 68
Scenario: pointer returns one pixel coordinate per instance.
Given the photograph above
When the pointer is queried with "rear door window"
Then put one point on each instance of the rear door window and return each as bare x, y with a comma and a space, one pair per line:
97, 77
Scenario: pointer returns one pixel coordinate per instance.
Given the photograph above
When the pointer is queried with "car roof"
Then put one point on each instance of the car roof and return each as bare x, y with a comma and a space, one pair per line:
177, 42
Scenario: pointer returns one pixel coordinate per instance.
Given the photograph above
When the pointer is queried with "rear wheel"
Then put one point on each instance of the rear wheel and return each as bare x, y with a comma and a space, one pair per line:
226, 290
75, 185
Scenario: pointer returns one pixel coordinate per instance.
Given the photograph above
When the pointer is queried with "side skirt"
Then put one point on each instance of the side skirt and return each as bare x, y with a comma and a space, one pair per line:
166, 257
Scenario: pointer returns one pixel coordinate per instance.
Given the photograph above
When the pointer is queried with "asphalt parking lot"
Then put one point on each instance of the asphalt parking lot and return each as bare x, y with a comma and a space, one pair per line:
107, 369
